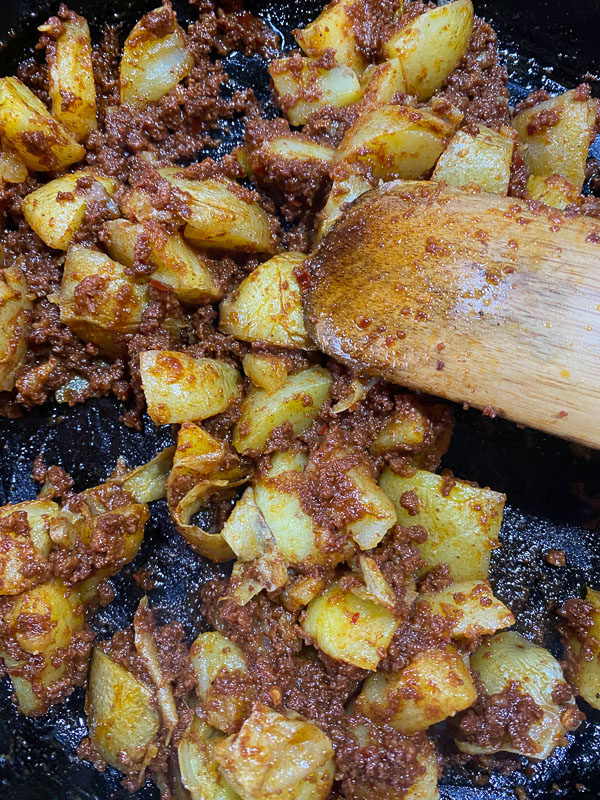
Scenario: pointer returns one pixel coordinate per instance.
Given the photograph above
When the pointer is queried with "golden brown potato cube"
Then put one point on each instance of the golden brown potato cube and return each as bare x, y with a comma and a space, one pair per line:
470, 609
216, 658
13, 168
123, 722
333, 30
198, 766
266, 371
221, 214
42, 622
27, 127
343, 192
297, 402
397, 141
378, 512
71, 75
57, 208
462, 521
348, 628
97, 300
304, 87
15, 309
507, 662
482, 160
179, 387
405, 430
178, 264
131, 521
277, 755
434, 686
155, 58
381, 82
556, 135
553, 190
267, 306
25, 544
296, 148
582, 651
430, 47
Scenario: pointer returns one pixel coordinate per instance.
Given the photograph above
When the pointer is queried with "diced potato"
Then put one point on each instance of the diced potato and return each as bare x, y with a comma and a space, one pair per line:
221, 215
279, 756
556, 135
266, 371
382, 81
583, 652
333, 30
434, 686
41, 141
131, 518
379, 514
179, 387
404, 431
198, 766
12, 167
215, 657
375, 587
25, 544
397, 141
349, 628
246, 530
297, 402
57, 208
343, 192
42, 622
430, 47
267, 305
177, 263
508, 659
482, 160
304, 87
462, 521
97, 300
15, 308
155, 58
553, 190
148, 482
294, 148
300, 591
470, 609
123, 723
71, 76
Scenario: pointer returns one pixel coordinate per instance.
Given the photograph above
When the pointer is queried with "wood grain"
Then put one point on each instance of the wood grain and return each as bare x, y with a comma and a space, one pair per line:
477, 298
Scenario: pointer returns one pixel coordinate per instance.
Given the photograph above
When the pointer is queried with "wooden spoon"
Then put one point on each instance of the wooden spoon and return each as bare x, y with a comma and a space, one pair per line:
481, 299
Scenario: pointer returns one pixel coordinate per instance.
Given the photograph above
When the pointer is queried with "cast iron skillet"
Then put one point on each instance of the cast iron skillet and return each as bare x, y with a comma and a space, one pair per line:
548, 44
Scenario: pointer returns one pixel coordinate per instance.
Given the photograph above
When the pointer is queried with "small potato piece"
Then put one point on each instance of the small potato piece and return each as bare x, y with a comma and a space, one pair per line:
583, 652
221, 215
348, 628
556, 135
343, 192
267, 306
430, 47
177, 263
40, 140
297, 402
97, 300
155, 58
553, 190
333, 30
12, 167
24, 543
434, 686
471, 609
278, 756
462, 521
198, 766
296, 148
265, 371
406, 430
15, 308
382, 81
71, 76
122, 721
508, 660
179, 387
246, 530
57, 208
305, 87
379, 513
396, 141
214, 656
481, 161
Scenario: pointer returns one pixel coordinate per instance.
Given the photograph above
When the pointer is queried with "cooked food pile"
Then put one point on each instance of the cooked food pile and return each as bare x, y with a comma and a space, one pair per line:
357, 611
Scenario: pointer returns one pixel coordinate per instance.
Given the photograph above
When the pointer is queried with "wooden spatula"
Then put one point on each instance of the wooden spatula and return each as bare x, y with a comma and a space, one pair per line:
477, 298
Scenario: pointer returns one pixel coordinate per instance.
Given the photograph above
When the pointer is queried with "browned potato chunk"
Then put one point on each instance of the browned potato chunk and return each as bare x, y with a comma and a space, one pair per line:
265, 371
41, 141
13, 168
198, 766
15, 308
381, 82
482, 160
470, 609
25, 544
582, 646
333, 30
553, 190
155, 58
97, 300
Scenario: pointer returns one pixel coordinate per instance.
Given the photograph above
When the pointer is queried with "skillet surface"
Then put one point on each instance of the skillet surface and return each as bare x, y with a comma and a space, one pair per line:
546, 46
